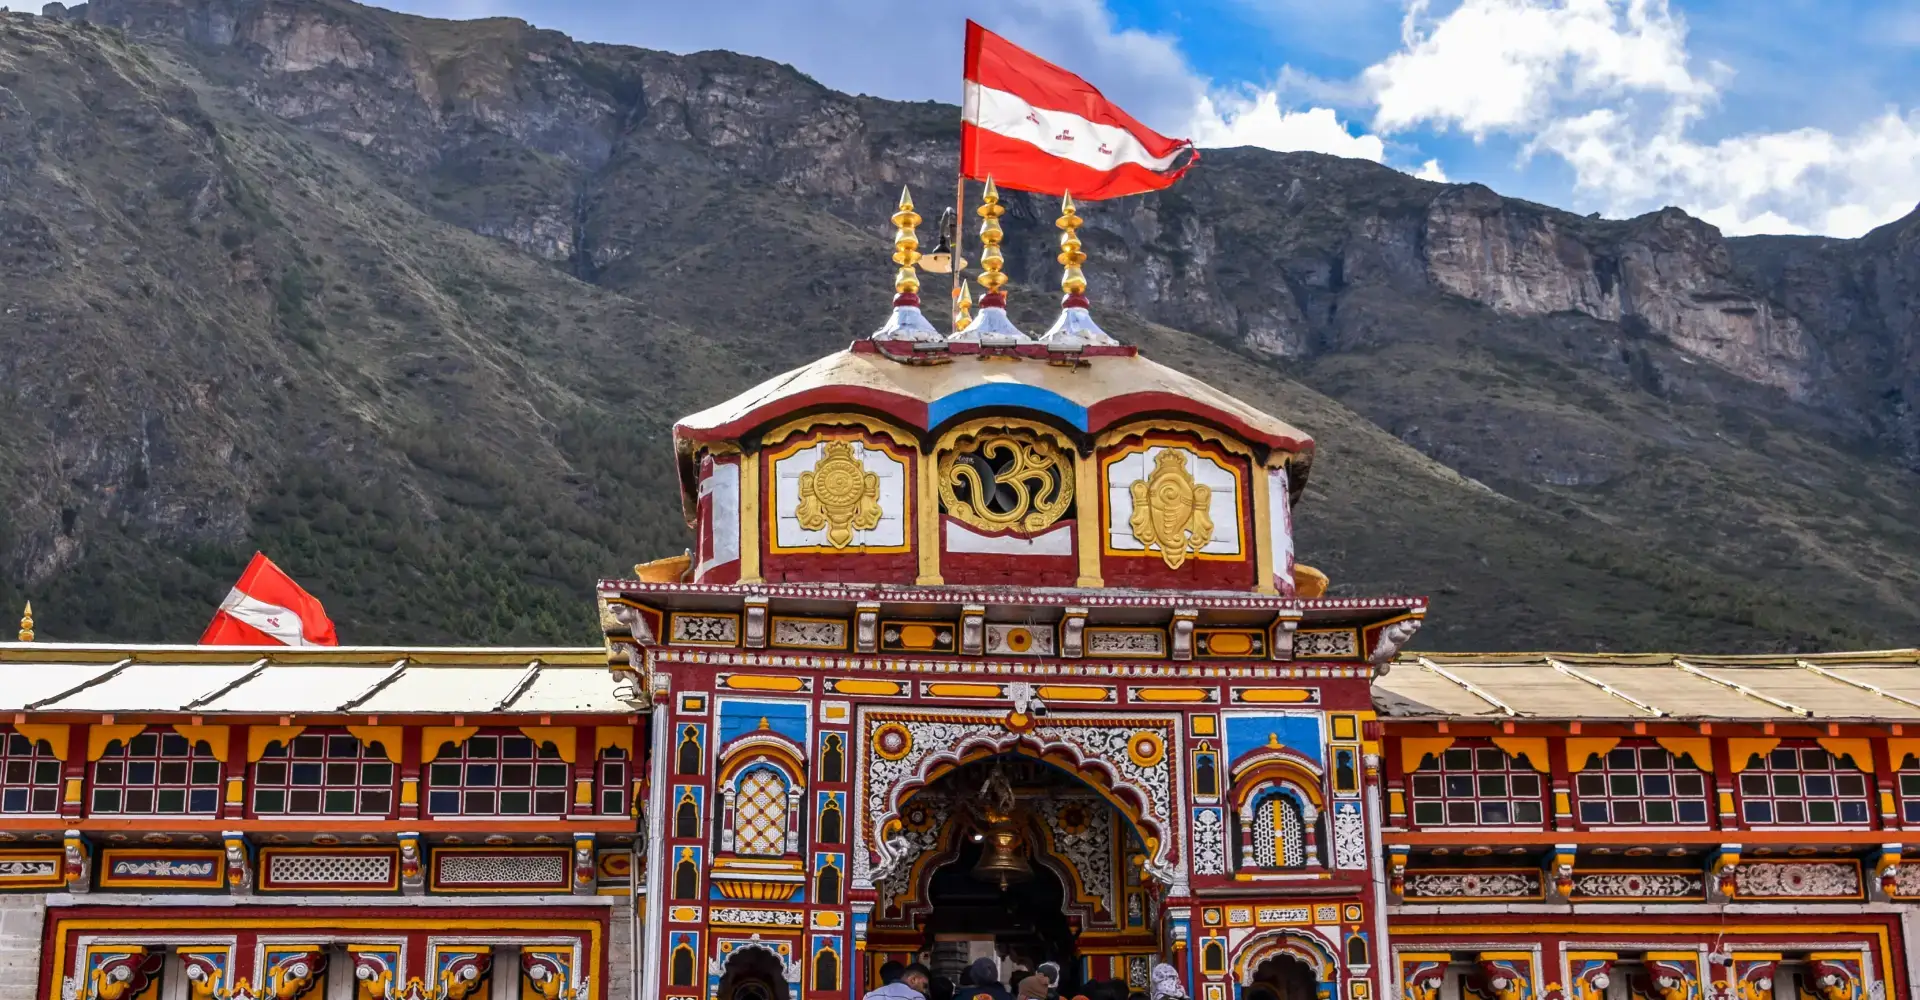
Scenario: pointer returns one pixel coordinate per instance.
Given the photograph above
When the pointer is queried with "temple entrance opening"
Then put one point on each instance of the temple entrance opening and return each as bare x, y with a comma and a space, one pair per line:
1282, 977
753, 974
1024, 863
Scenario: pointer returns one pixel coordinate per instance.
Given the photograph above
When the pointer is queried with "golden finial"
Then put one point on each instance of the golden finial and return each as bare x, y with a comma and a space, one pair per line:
906, 248
1072, 281
26, 623
991, 261
962, 306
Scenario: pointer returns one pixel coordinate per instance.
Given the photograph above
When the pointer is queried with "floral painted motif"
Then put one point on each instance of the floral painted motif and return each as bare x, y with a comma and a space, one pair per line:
1825, 879
1472, 885
1638, 885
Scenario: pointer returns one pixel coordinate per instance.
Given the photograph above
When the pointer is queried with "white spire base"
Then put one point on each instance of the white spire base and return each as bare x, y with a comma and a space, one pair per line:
1076, 329
991, 328
908, 324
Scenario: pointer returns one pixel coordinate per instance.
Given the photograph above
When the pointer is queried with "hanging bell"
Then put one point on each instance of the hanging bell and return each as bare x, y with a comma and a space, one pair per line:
1002, 862
941, 259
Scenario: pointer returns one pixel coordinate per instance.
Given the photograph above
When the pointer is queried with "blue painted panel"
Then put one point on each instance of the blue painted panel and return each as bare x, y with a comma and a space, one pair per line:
994, 395
1246, 733
738, 717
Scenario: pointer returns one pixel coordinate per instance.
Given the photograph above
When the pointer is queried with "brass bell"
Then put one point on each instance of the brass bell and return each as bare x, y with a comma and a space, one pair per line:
1001, 860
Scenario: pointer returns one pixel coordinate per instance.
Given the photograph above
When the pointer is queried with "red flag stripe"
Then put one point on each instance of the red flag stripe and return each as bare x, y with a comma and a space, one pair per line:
1022, 166
1060, 133
994, 62
262, 591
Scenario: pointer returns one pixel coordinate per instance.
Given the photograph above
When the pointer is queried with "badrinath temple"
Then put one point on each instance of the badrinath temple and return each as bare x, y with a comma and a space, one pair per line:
991, 645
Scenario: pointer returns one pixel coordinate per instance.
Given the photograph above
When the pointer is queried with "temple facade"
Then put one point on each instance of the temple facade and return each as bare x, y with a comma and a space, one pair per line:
989, 646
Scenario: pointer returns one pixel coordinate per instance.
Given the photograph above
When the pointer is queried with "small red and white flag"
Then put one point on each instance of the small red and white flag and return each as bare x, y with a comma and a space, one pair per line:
1036, 127
267, 608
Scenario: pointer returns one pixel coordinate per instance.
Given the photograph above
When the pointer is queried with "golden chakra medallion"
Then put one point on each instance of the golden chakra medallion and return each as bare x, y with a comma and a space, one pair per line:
892, 741
839, 495
1171, 512
1146, 748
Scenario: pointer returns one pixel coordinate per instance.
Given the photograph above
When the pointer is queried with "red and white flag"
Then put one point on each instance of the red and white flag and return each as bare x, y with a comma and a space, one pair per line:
267, 608
1036, 127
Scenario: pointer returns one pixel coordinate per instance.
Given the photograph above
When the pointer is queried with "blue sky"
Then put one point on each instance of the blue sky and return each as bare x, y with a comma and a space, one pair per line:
1776, 116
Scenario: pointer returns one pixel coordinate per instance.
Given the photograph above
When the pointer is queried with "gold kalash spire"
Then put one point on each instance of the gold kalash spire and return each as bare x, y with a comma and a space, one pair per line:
991, 326
962, 306
907, 323
1075, 327
26, 623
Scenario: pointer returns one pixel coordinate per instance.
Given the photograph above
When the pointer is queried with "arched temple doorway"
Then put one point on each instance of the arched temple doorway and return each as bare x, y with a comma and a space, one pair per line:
753, 974
1282, 977
1013, 858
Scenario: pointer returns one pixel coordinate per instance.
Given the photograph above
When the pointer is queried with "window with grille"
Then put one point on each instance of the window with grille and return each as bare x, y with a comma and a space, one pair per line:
1279, 838
330, 774
1802, 786
614, 771
507, 775
1477, 786
31, 776
1641, 785
1909, 779
156, 774
760, 813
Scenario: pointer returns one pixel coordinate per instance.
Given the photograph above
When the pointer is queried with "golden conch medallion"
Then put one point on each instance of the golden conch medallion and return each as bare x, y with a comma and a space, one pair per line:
839, 495
1171, 512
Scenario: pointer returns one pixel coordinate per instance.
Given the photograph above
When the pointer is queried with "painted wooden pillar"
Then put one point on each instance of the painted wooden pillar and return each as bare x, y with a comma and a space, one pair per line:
234, 771
410, 776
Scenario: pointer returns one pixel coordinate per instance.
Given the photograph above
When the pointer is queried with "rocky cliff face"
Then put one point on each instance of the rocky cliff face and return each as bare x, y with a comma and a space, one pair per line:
1689, 405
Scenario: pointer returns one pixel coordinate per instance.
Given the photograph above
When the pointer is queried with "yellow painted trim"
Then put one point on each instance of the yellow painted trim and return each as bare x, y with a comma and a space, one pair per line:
583, 791
956, 690
926, 522
750, 519
901, 435
410, 791
1075, 692
1562, 804
764, 682
565, 739
1740, 750
1861, 750
214, 736
1726, 803
432, 736
617, 737
56, 736
388, 737
1205, 432
1147, 444
1579, 748
1273, 696
1089, 515
99, 736
260, 737
1413, 751
1700, 748
852, 685
73, 790
1533, 747
770, 518
236, 791
1175, 695
1263, 538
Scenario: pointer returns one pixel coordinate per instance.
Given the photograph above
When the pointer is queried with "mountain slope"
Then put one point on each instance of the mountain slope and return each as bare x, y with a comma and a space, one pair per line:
411, 305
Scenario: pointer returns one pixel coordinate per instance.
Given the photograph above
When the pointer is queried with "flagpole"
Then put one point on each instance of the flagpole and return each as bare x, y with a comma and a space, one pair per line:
959, 244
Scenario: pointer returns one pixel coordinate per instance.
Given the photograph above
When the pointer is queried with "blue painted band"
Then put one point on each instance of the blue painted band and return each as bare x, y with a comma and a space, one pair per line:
1004, 394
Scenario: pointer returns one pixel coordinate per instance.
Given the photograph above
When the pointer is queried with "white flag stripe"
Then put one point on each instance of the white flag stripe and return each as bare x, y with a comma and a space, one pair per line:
1057, 133
272, 619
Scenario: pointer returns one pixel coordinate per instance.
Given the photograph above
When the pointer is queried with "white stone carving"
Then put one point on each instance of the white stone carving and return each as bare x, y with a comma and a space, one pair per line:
1039, 640
891, 532
802, 634
1349, 836
501, 869
1209, 843
704, 628
1392, 638
1638, 885
1752, 879
1223, 499
329, 869
1334, 642
1090, 849
1472, 885
1282, 915
762, 918
1125, 642
28, 869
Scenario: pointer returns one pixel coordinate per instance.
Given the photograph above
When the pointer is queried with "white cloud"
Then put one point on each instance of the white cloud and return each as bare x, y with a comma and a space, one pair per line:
1257, 119
1609, 87
1430, 171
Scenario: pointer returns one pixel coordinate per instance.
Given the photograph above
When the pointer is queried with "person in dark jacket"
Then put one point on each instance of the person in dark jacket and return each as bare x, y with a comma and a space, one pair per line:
983, 980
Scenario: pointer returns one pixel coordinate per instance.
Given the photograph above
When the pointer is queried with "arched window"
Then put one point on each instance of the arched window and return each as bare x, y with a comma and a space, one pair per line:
1206, 775
826, 970
831, 828
833, 756
1279, 836
315, 774
1477, 786
686, 815
686, 877
1356, 950
1909, 789
682, 965
1213, 957
760, 813
1802, 786
689, 756
826, 885
157, 773
504, 774
1641, 785
32, 776
613, 775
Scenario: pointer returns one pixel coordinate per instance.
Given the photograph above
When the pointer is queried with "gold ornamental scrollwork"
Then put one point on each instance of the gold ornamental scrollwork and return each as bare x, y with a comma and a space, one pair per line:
1171, 512
839, 494
1011, 481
